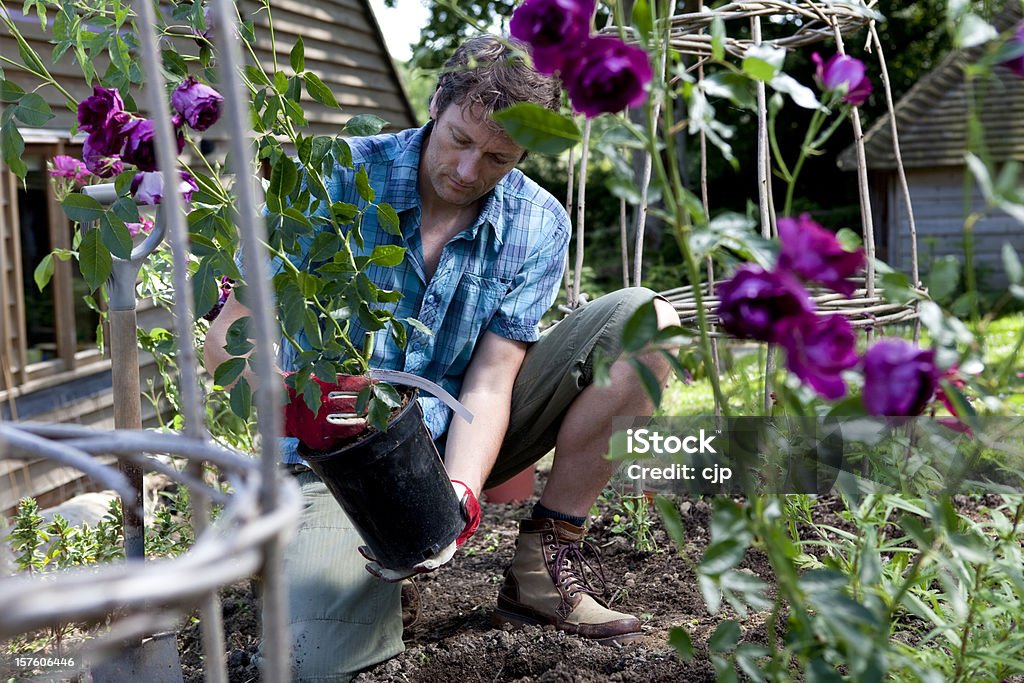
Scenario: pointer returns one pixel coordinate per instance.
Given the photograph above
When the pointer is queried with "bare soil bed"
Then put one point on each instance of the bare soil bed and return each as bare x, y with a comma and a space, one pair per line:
455, 641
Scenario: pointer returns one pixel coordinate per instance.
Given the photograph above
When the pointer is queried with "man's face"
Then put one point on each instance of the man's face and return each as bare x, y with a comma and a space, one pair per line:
466, 155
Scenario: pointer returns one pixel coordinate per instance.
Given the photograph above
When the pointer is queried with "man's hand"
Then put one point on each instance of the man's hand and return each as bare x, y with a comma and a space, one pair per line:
470, 512
336, 420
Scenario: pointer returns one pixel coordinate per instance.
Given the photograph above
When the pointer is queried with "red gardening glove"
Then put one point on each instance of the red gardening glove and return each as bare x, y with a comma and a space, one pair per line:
335, 422
470, 512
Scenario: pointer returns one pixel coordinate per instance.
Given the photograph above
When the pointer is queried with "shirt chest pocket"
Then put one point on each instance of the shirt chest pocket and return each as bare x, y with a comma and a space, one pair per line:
474, 303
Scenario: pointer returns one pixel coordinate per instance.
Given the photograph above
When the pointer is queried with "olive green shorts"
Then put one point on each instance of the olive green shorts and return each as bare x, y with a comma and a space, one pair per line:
342, 618
556, 369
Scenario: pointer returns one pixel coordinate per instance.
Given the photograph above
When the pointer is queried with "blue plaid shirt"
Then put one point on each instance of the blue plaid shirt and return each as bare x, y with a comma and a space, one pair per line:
501, 274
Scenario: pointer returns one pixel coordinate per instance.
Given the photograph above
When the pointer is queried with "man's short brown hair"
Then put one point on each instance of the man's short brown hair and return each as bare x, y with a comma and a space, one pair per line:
493, 73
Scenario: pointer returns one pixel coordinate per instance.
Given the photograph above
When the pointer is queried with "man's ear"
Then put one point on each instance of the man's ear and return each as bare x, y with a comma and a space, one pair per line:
433, 104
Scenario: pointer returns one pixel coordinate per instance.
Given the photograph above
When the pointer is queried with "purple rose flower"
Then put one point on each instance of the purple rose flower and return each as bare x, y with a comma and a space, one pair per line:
187, 185
1016, 64
64, 166
554, 30
818, 350
99, 162
226, 284
755, 301
140, 144
899, 378
198, 103
148, 188
96, 111
814, 253
606, 76
846, 73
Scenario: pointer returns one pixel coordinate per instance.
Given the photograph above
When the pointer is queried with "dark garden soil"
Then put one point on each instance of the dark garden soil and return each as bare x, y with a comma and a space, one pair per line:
455, 641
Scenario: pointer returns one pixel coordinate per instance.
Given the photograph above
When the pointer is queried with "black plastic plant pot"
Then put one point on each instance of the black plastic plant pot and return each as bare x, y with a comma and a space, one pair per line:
394, 488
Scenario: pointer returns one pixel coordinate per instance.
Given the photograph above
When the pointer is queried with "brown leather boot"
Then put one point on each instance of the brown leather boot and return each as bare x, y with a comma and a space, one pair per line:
546, 585
410, 606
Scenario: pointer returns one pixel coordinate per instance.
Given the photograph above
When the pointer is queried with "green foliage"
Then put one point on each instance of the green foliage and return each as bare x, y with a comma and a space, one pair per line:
28, 536
538, 129
634, 520
58, 545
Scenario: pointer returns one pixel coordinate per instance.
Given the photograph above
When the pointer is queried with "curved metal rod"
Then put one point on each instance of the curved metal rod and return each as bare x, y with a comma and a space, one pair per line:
253, 234
96, 441
89, 594
66, 455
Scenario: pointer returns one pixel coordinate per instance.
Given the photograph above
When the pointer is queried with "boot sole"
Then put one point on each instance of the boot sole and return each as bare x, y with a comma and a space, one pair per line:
500, 618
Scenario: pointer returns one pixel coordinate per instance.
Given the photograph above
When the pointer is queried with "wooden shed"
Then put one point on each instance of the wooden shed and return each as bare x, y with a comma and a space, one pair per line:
933, 124
50, 366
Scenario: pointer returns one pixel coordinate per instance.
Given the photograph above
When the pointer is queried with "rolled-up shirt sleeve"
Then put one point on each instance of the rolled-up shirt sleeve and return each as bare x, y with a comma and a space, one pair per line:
534, 287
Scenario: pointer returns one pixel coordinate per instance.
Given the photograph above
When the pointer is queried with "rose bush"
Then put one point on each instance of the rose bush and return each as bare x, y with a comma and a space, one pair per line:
841, 613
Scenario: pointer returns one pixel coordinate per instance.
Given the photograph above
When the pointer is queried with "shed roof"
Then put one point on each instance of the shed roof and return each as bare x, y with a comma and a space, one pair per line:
932, 117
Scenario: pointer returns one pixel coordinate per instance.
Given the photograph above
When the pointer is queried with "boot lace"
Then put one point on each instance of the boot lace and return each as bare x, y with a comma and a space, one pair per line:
572, 569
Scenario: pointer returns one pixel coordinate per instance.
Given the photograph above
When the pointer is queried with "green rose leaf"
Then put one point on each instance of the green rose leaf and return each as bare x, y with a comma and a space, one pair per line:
10, 91
237, 337
126, 209
642, 18
367, 319
43, 272
1011, 262
758, 69
281, 82
538, 129
94, 259
387, 394
364, 124
641, 328
82, 208
721, 556
725, 637
12, 147
387, 219
718, 39
325, 246
763, 62
283, 178
343, 212
671, 520
204, 288
944, 278
229, 371
679, 639
298, 56
363, 185
32, 110
319, 91
115, 236
311, 326
387, 255
241, 399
